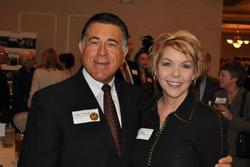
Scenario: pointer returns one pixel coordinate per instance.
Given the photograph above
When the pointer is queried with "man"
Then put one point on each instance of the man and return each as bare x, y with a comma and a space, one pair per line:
206, 85
129, 70
61, 130
22, 82
67, 125
4, 90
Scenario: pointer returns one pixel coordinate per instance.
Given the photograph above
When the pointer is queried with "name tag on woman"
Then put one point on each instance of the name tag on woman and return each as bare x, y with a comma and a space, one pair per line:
220, 100
144, 133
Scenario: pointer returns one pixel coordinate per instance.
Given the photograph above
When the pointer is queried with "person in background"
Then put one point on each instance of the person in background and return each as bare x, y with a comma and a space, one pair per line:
146, 42
72, 113
141, 58
48, 72
229, 102
206, 85
129, 70
247, 81
4, 90
22, 82
68, 61
130, 48
176, 129
148, 83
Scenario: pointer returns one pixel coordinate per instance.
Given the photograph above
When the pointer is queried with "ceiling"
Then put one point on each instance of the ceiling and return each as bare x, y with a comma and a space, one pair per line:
236, 16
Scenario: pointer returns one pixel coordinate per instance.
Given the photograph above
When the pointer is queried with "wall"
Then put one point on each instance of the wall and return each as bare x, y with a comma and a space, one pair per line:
59, 22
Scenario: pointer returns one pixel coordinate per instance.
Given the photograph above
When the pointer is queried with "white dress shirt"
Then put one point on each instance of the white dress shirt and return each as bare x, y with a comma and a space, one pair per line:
96, 88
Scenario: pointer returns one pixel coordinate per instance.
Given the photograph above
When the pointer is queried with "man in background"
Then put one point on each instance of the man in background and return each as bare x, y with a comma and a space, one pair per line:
4, 90
129, 70
206, 85
22, 82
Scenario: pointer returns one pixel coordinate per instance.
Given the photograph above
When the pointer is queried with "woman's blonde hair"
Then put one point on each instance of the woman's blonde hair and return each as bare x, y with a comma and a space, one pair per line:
49, 59
182, 41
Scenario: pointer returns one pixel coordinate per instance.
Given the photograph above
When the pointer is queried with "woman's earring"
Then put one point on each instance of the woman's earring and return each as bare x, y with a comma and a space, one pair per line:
155, 77
193, 82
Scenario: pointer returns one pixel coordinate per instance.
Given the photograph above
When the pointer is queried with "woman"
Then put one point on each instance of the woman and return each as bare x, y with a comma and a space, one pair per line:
49, 72
176, 129
148, 84
229, 100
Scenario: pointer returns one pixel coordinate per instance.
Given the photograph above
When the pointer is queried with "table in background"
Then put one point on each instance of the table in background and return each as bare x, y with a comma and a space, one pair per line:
7, 156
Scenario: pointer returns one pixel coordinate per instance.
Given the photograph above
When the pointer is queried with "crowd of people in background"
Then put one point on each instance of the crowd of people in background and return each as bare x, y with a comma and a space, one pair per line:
32, 76
48, 72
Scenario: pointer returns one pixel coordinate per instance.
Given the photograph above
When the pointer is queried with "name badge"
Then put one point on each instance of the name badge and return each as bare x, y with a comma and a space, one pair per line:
149, 80
85, 116
219, 100
144, 133
134, 72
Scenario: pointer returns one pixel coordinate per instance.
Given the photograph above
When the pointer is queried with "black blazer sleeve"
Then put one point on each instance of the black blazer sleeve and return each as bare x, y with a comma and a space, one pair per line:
42, 138
52, 139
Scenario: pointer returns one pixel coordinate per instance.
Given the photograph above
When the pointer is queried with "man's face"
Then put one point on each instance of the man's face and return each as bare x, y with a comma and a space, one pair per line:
102, 51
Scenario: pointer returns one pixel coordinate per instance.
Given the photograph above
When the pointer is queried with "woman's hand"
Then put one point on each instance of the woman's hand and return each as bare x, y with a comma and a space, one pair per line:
224, 111
225, 162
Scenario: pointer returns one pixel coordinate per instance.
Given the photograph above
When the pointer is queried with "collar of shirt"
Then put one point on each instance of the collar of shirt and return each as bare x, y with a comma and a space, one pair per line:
96, 88
128, 70
202, 86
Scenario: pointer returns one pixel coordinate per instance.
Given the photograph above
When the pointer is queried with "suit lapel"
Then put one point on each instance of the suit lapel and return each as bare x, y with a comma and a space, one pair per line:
123, 100
88, 101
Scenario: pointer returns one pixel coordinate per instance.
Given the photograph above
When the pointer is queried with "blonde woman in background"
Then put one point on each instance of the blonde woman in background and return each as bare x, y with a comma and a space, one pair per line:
48, 72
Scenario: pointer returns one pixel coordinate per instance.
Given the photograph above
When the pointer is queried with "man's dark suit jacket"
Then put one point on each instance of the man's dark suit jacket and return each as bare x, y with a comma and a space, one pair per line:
53, 140
135, 72
212, 85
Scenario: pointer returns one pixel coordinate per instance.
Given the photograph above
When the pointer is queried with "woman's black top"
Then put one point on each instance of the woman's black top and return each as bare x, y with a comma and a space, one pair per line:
192, 136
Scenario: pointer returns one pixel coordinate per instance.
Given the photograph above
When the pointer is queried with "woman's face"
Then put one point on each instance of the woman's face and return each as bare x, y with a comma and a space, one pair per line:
143, 60
226, 79
175, 72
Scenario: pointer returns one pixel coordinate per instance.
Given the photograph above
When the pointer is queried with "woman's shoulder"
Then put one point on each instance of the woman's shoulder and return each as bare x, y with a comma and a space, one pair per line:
206, 118
151, 104
207, 112
40, 70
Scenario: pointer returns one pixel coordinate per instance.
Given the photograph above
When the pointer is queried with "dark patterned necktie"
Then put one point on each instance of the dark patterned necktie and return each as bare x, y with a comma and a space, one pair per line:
112, 118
